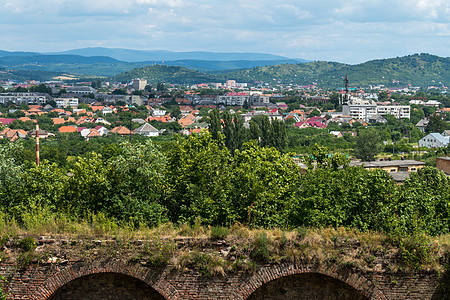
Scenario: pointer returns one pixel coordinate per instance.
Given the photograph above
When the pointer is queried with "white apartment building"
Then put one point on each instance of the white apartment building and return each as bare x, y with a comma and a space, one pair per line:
234, 99
64, 102
28, 98
359, 108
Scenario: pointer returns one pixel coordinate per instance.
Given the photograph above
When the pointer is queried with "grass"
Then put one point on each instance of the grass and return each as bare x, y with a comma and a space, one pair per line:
215, 251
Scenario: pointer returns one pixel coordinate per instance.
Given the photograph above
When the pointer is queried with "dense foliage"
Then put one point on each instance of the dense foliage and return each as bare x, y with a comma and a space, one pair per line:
197, 179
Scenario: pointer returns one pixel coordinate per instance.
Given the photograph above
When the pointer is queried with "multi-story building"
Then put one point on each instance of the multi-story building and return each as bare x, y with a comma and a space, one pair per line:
139, 84
81, 90
28, 98
398, 111
359, 108
234, 99
64, 102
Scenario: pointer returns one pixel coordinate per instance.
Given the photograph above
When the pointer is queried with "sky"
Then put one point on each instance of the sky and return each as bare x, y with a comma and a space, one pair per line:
350, 31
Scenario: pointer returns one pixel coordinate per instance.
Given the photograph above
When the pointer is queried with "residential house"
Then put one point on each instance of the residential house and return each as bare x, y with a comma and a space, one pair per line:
186, 109
6, 121
43, 134
443, 164
140, 121
434, 140
398, 169
67, 129
101, 120
377, 119
316, 122
57, 121
88, 133
122, 130
422, 124
186, 120
12, 134
146, 130
107, 110
446, 133
156, 112
336, 134
102, 130
26, 119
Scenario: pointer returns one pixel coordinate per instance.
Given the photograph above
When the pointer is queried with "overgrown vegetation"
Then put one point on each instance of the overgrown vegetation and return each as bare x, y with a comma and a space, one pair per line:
198, 180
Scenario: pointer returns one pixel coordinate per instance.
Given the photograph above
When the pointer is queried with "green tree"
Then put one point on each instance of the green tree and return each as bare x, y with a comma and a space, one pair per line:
350, 197
96, 84
119, 92
422, 204
264, 182
42, 88
215, 123
138, 177
367, 144
395, 137
198, 171
436, 124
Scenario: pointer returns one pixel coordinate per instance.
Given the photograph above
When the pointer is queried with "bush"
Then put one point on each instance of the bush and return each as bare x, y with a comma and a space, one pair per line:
27, 244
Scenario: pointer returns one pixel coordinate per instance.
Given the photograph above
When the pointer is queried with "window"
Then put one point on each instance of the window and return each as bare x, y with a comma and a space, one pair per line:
393, 170
413, 169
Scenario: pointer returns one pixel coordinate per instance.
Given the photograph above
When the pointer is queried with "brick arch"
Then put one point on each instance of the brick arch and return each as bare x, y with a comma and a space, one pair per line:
269, 273
155, 280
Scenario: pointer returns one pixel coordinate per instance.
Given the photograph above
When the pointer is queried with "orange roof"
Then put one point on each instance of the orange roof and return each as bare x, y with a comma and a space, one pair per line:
25, 119
57, 121
83, 111
71, 119
163, 119
186, 120
297, 111
96, 107
93, 133
66, 129
34, 110
120, 130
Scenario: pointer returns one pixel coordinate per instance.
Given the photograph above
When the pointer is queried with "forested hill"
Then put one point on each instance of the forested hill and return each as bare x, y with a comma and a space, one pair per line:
170, 74
417, 69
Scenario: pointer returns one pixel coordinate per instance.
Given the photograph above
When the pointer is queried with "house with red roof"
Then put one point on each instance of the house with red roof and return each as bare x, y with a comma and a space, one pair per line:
6, 121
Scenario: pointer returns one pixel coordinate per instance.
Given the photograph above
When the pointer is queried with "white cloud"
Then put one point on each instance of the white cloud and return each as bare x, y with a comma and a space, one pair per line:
346, 30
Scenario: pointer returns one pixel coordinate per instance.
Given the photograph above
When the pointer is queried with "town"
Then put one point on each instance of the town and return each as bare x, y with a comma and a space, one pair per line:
412, 124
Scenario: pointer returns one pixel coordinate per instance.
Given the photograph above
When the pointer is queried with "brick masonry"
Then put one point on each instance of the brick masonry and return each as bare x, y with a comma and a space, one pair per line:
118, 279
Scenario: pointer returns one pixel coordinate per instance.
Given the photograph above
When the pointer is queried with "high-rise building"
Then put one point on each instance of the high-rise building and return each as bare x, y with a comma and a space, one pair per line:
139, 84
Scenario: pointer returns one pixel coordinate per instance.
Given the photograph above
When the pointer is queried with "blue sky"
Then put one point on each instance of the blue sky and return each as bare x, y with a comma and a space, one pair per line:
350, 31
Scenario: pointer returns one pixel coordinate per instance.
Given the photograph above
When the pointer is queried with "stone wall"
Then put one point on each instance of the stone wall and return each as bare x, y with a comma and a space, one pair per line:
115, 279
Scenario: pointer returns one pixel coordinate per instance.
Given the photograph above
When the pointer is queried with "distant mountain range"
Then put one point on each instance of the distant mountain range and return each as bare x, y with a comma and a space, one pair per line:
199, 67
109, 62
129, 55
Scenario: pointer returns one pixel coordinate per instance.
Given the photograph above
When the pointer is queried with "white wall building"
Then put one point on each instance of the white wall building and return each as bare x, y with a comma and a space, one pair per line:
64, 102
359, 108
434, 140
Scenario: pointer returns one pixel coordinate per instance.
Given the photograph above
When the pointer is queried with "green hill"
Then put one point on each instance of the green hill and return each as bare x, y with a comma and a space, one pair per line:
417, 69
169, 74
